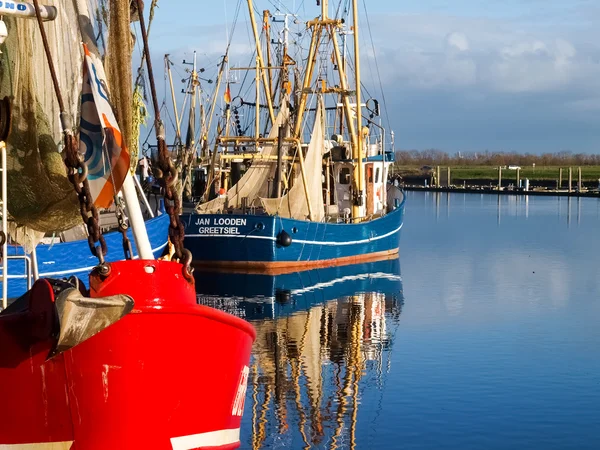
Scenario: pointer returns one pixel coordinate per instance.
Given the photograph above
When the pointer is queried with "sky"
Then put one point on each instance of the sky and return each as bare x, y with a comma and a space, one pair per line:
461, 75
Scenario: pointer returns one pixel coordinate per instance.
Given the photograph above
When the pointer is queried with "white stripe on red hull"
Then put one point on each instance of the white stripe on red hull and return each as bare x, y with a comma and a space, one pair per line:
211, 439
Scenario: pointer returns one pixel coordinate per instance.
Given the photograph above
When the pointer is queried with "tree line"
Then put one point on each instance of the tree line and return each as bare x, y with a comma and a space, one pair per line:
433, 157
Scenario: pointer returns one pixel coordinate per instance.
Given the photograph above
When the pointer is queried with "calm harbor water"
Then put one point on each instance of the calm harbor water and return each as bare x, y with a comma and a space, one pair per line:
483, 335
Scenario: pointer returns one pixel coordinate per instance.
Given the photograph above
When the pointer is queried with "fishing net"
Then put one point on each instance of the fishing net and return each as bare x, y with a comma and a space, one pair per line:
119, 75
253, 184
40, 197
294, 204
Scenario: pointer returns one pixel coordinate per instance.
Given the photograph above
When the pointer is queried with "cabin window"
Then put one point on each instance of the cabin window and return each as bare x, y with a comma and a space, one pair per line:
370, 174
344, 175
377, 175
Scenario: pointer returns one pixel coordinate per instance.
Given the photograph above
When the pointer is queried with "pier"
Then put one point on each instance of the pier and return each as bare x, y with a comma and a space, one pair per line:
509, 181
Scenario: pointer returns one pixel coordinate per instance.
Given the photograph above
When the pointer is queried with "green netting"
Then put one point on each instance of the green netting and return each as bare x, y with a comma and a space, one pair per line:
40, 196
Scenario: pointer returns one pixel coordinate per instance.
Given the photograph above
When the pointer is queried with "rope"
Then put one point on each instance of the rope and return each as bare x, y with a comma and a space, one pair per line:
61, 104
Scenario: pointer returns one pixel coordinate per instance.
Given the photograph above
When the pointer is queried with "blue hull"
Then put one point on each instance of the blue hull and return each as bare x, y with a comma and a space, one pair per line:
258, 297
67, 259
254, 241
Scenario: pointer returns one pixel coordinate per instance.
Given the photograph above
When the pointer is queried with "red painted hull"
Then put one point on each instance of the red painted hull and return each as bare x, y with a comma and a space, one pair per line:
169, 375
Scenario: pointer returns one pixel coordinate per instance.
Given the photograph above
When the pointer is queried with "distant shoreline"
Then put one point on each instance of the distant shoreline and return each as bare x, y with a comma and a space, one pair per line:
494, 191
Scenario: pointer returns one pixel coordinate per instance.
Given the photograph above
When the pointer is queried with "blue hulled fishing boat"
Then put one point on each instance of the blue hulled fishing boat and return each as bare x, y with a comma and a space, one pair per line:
72, 258
316, 191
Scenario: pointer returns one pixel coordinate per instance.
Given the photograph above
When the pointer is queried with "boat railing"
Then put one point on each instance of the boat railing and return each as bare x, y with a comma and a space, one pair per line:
4, 236
30, 262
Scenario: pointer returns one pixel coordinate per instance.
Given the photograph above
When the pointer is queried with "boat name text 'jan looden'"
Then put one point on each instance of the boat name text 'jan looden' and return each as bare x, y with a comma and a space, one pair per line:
220, 225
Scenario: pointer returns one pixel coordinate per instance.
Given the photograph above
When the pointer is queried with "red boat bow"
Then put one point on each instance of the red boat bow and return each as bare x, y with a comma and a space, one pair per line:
169, 374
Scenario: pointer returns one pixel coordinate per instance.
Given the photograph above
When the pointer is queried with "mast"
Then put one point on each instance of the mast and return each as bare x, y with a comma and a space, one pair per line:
267, 28
191, 138
257, 81
213, 161
358, 154
285, 60
259, 53
177, 127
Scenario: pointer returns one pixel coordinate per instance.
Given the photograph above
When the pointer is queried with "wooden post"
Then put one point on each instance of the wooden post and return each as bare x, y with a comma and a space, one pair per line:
579, 186
570, 179
449, 177
499, 178
518, 176
437, 177
560, 178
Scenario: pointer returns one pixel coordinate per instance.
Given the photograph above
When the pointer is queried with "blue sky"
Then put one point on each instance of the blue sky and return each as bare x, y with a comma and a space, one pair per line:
468, 75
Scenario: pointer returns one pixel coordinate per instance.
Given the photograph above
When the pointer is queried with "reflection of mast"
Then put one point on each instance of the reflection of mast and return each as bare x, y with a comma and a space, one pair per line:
357, 362
290, 354
295, 365
255, 438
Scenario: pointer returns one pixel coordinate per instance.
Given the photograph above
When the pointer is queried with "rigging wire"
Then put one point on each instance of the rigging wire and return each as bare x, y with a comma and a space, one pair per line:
387, 116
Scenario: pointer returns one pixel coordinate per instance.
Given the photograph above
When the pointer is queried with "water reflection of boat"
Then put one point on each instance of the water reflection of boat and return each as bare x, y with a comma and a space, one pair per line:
314, 345
254, 296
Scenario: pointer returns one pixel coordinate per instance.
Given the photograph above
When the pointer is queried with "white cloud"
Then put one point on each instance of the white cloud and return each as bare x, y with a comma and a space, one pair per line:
456, 41
498, 56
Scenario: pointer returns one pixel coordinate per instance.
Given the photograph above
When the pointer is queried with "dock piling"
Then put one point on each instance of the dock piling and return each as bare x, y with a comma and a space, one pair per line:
579, 183
570, 179
560, 178
499, 178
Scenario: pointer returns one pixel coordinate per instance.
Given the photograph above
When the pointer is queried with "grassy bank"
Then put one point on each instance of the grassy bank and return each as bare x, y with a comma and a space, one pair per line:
588, 173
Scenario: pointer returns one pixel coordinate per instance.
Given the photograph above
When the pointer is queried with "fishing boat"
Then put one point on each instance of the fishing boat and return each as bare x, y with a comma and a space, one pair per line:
133, 361
322, 352
319, 196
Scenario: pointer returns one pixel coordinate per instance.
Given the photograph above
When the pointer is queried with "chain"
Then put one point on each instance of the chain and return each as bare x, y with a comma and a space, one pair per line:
166, 172
123, 227
77, 171
89, 213
167, 175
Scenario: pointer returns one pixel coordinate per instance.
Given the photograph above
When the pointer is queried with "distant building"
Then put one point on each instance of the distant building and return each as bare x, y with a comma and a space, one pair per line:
514, 167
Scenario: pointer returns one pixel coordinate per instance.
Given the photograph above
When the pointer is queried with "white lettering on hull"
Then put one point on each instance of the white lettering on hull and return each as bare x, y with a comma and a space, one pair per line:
219, 230
221, 221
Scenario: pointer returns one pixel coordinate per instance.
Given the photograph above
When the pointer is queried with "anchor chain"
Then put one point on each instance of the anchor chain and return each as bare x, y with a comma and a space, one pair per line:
77, 174
166, 172
167, 176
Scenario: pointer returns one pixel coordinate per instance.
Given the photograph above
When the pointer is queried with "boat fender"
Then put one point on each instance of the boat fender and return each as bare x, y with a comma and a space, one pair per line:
283, 296
284, 239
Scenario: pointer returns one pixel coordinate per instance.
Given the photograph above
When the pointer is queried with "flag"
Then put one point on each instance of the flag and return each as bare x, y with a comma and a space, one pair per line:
100, 141
227, 95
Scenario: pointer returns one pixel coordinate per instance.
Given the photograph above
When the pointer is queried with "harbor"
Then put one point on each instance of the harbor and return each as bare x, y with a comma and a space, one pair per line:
569, 182
327, 224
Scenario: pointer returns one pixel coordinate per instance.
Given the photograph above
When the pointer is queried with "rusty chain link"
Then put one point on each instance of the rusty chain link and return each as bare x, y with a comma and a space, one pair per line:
77, 173
166, 173
123, 226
